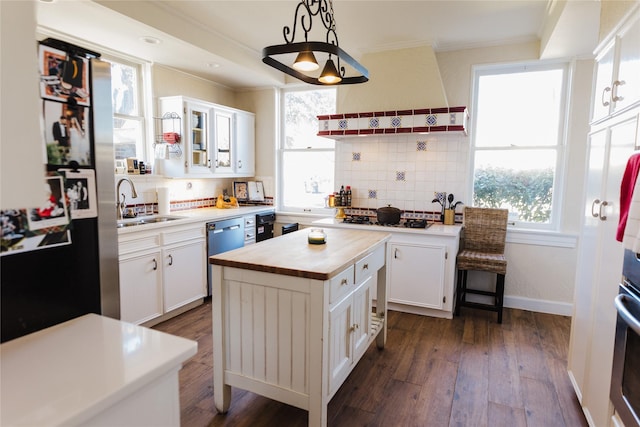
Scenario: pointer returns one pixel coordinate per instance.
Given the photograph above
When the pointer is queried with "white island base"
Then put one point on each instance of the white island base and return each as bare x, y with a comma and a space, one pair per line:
291, 320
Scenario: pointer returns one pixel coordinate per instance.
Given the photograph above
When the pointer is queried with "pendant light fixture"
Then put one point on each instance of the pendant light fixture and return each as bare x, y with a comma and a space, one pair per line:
305, 62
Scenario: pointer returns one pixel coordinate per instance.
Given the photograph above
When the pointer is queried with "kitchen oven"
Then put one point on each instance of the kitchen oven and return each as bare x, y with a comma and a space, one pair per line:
625, 379
264, 225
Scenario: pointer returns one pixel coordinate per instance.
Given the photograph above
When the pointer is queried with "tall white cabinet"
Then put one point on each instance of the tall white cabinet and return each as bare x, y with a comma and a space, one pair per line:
612, 140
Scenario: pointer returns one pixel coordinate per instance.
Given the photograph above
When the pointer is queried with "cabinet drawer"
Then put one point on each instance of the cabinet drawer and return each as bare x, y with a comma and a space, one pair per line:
175, 236
369, 264
249, 221
147, 241
340, 285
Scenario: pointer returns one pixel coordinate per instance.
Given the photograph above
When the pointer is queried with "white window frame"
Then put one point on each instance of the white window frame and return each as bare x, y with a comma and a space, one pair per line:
144, 97
280, 150
561, 160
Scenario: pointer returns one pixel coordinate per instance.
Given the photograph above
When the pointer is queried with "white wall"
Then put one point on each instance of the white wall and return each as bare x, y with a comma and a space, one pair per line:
22, 152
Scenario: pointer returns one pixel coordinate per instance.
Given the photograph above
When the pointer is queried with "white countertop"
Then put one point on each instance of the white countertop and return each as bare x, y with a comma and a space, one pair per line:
199, 215
68, 373
436, 228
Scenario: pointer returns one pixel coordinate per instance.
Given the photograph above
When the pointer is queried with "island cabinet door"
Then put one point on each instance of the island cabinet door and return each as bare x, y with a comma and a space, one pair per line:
340, 348
361, 328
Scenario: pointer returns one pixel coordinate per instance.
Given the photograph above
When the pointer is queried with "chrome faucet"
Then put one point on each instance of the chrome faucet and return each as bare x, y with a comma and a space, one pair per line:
120, 204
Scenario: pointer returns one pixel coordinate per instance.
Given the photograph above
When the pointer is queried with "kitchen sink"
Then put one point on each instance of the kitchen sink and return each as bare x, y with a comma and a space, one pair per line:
130, 222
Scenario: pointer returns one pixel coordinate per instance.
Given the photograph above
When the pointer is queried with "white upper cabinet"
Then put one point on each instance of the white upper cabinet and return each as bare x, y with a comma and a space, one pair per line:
246, 145
626, 88
617, 77
216, 141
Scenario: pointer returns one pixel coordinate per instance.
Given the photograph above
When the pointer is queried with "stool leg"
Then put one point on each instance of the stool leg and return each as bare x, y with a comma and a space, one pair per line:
458, 293
500, 295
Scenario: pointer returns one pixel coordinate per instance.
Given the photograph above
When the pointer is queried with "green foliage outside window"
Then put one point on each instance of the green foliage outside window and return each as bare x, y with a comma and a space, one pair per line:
526, 192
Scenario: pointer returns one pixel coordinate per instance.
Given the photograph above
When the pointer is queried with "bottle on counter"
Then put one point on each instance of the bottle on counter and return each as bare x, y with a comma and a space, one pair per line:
341, 197
347, 195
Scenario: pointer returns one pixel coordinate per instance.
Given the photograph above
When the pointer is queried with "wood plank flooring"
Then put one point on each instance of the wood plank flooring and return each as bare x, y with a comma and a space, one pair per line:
469, 371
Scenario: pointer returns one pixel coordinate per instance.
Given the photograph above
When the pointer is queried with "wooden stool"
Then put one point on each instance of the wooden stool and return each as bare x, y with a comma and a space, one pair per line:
485, 233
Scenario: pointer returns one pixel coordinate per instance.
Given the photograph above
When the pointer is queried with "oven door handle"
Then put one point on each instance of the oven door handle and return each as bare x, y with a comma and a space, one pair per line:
621, 301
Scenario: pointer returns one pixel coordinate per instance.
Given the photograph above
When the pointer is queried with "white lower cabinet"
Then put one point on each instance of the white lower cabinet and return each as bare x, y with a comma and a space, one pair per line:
161, 270
183, 274
140, 286
417, 274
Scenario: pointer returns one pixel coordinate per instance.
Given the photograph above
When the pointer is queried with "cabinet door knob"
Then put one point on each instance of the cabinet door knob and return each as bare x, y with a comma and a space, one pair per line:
593, 205
343, 282
604, 92
602, 216
365, 267
614, 93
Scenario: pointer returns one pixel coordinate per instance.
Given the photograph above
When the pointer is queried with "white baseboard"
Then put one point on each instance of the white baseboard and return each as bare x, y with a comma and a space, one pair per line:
542, 306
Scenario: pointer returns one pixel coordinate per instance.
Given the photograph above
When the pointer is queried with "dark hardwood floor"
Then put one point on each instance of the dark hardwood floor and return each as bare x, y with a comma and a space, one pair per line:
469, 371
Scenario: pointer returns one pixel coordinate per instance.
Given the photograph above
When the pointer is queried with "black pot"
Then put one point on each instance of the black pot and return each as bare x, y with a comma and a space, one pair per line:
388, 215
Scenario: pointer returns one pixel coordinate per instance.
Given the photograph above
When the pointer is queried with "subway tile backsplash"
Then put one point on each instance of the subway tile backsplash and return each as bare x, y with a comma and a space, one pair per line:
403, 170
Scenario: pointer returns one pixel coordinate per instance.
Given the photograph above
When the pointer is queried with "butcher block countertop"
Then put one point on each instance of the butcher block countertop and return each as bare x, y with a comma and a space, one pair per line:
292, 255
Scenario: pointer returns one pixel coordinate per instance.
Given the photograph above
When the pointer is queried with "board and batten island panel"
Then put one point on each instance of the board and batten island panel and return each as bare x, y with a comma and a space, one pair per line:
292, 319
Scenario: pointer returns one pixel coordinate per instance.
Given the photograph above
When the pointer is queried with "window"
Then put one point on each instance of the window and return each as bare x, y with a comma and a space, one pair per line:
518, 145
306, 161
128, 111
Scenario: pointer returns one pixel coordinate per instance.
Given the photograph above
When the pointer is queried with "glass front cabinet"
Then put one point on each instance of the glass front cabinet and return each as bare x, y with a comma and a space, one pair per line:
217, 141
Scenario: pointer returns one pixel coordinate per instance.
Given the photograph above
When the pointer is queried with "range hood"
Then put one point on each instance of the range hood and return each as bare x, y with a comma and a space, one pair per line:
424, 120
405, 94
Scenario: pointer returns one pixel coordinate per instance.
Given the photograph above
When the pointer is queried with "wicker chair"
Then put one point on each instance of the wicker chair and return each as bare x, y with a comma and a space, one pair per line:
485, 233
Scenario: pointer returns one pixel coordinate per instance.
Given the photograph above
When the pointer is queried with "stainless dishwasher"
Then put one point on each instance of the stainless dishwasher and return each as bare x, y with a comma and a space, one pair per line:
223, 236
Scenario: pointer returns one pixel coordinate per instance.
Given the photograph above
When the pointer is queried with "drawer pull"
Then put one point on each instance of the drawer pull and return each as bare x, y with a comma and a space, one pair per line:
365, 267
343, 282
155, 264
170, 259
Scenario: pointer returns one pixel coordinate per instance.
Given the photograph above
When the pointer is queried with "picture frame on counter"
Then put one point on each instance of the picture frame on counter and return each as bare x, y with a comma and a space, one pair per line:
241, 191
256, 191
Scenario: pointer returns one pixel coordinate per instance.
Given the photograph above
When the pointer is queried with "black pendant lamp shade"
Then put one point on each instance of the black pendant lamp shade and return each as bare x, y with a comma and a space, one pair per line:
307, 52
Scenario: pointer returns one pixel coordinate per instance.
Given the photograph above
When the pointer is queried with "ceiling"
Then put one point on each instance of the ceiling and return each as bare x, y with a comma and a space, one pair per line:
222, 40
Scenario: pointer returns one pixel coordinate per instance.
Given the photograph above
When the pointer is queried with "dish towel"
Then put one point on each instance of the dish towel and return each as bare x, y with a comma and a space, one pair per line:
629, 223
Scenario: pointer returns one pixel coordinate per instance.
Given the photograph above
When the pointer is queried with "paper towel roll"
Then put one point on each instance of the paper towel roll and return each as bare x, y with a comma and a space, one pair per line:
163, 201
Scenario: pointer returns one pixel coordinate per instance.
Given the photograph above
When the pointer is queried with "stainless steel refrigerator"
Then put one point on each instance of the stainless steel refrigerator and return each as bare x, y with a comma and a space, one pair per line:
44, 287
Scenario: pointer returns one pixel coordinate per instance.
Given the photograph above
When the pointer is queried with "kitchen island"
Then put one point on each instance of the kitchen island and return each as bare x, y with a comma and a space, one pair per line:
292, 319
92, 371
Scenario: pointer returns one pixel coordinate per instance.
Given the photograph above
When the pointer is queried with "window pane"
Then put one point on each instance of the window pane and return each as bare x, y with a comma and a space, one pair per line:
518, 180
307, 178
520, 109
127, 138
124, 89
300, 122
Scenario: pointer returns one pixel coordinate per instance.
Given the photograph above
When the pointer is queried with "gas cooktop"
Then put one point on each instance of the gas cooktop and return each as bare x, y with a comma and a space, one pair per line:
408, 222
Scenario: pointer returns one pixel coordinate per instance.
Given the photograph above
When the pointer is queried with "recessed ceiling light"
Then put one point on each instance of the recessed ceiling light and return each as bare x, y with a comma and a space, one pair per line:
47, 1
213, 65
150, 40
